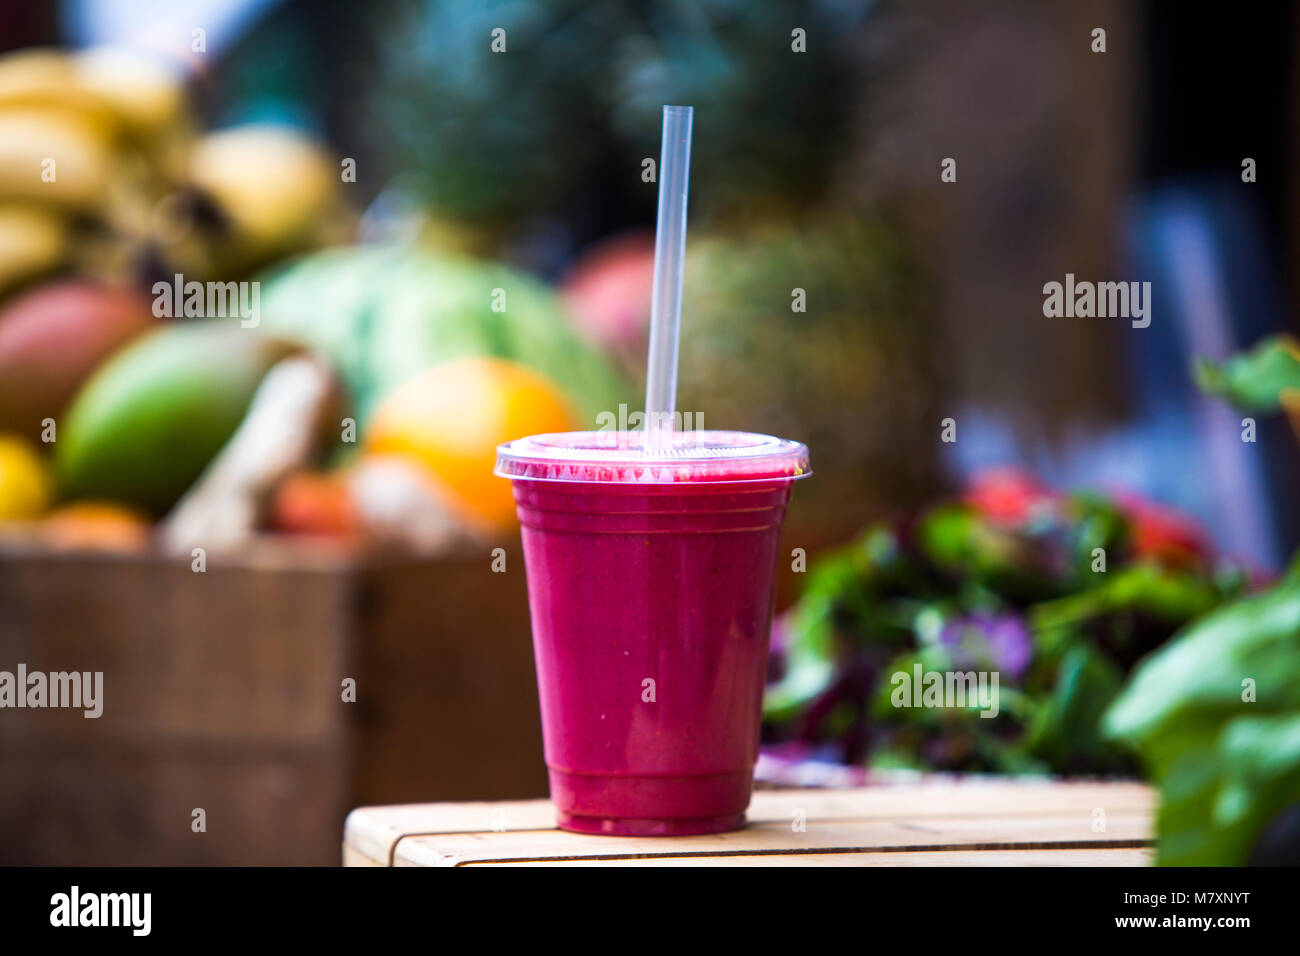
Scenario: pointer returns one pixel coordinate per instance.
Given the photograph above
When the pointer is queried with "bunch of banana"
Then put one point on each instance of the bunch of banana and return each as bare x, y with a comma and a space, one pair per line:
88, 142
102, 173
253, 194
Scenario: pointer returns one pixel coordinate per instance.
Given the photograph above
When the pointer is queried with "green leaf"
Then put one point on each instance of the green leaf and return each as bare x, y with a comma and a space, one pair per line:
810, 667
1216, 718
1255, 638
1168, 594
1066, 729
1254, 380
1261, 759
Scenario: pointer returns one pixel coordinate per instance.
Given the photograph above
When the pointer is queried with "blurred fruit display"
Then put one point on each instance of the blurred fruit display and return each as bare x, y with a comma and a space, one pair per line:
103, 173
89, 142
142, 194
451, 418
383, 314
293, 409
107, 186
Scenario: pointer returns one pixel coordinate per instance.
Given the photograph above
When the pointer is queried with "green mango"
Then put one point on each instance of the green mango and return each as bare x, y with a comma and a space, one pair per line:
147, 423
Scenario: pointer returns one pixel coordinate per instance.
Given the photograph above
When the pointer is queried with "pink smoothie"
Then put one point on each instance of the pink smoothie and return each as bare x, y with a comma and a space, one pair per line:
650, 582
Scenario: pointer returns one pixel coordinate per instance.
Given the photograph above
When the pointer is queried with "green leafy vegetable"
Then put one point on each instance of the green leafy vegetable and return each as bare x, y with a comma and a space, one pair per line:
1216, 718
1059, 595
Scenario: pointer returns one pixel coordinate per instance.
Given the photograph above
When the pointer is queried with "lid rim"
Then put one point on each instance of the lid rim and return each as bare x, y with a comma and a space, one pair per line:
698, 457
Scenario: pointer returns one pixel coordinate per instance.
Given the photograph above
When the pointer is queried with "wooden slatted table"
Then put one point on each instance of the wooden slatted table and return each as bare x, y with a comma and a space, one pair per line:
943, 822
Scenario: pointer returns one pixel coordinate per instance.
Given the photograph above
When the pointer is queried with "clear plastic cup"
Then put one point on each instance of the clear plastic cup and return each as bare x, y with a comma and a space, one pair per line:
650, 584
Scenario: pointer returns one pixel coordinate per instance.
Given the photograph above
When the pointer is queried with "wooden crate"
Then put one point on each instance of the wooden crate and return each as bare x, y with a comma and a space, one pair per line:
223, 692
942, 822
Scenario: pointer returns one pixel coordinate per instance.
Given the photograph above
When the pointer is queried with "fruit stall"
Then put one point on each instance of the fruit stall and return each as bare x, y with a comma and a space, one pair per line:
246, 455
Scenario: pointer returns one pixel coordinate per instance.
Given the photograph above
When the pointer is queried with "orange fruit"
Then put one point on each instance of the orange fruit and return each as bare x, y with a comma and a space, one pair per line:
450, 419
97, 525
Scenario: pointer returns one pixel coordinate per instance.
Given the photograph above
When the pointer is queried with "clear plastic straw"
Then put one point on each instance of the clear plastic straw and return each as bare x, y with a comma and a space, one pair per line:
670, 249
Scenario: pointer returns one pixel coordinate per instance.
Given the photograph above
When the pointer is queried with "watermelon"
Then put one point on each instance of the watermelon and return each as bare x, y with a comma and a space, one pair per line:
381, 314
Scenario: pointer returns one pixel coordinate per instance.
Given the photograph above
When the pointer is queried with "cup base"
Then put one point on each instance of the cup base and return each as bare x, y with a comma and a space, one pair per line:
690, 826
642, 805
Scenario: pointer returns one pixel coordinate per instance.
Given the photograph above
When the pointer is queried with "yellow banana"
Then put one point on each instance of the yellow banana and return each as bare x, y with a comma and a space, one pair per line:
53, 156
145, 94
40, 78
32, 242
36, 75
271, 181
